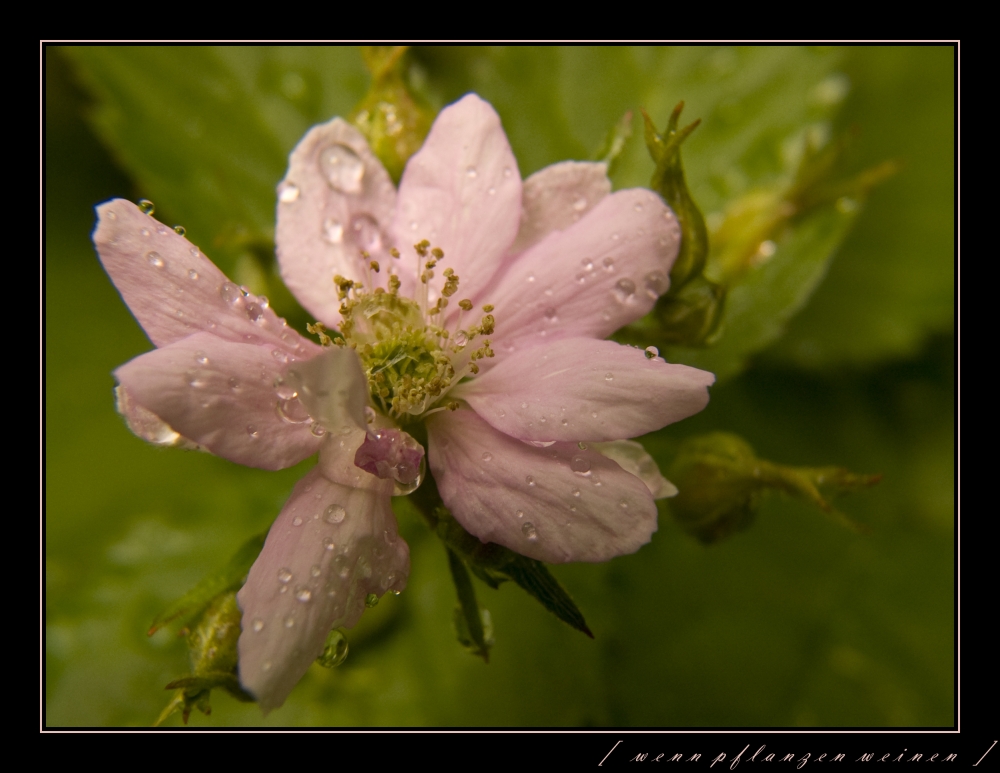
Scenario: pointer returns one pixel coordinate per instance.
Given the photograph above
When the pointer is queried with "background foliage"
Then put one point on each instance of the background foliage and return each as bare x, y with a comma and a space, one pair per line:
793, 622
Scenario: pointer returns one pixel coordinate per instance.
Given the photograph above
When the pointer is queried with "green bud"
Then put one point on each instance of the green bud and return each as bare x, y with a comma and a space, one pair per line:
721, 481
335, 649
692, 315
392, 116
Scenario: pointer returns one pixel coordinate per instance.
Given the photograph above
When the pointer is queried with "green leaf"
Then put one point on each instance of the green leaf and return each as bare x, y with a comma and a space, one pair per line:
228, 578
468, 617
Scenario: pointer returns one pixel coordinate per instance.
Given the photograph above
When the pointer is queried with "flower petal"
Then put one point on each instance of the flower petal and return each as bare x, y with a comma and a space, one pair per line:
222, 395
557, 196
599, 274
174, 290
556, 504
462, 191
335, 201
330, 547
583, 389
632, 458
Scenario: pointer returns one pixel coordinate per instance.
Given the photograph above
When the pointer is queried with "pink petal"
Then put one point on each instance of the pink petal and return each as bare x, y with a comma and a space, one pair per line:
632, 458
390, 454
174, 290
222, 395
462, 192
336, 200
557, 196
584, 389
598, 275
556, 504
330, 547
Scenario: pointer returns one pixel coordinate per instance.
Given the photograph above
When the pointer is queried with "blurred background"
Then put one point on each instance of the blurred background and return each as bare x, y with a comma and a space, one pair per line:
795, 621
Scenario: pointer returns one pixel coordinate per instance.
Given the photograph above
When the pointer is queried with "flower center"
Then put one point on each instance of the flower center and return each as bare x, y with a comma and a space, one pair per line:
410, 358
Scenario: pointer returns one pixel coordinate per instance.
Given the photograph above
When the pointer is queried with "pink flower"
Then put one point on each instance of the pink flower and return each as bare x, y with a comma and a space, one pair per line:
526, 408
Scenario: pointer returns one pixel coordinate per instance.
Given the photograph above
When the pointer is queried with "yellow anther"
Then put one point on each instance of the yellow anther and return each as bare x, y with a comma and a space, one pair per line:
487, 324
421, 248
394, 284
374, 266
438, 253
394, 252
473, 367
449, 271
430, 263
465, 304
318, 329
365, 255
488, 308
379, 290
453, 405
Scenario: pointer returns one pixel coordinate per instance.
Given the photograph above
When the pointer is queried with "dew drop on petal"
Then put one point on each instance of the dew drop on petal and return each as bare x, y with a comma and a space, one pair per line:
284, 391
507, 171
550, 314
288, 193
366, 233
112, 216
531, 278
289, 622
333, 231
638, 207
623, 504
335, 514
624, 290
580, 465
609, 264
284, 576
652, 352
487, 456
329, 544
580, 204
520, 513
342, 168
230, 293
201, 358
180, 230
296, 521
529, 480
588, 265
524, 405
303, 595
318, 429
576, 492
471, 172
252, 431
529, 531
144, 232
292, 412
609, 376
258, 625
154, 259
656, 284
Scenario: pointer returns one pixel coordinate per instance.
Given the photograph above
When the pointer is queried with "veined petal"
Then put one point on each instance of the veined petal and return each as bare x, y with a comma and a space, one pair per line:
462, 191
598, 275
584, 389
632, 458
335, 201
557, 196
223, 396
559, 503
330, 547
174, 290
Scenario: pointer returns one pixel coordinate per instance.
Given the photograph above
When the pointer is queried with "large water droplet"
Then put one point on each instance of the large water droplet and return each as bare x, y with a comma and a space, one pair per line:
529, 531
342, 168
487, 456
146, 207
285, 576
335, 513
292, 412
230, 293
288, 193
333, 231
652, 352
155, 260
366, 233
656, 284
303, 594
180, 230
255, 311
461, 338
580, 464
624, 290
334, 651
318, 429
284, 391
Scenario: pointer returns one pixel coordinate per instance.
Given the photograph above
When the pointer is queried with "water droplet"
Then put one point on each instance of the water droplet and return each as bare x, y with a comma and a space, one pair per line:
288, 193
318, 429
329, 544
342, 168
580, 204
296, 521
529, 531
112, 216
335, 649
487, 456
520, 513
234, 384
333, 231
609, 264
624, 290
652, 352
492, 191
366, 232
252, 431
580, 465
285, 576
531, 277
470, 172
502, 413
258, 625
609, 376
146, 207
192, 274
144, 232
461, 338
564, 422
230, 293
201, 358
255, 311
637, 207
303, 594
656, 284
615, 237
529, 480
180, 230
576, 492
588, 265
593, 414
507, 171
335, 514
623, 504
292, 412
550, 314
289, 622
155, 260
284, 391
